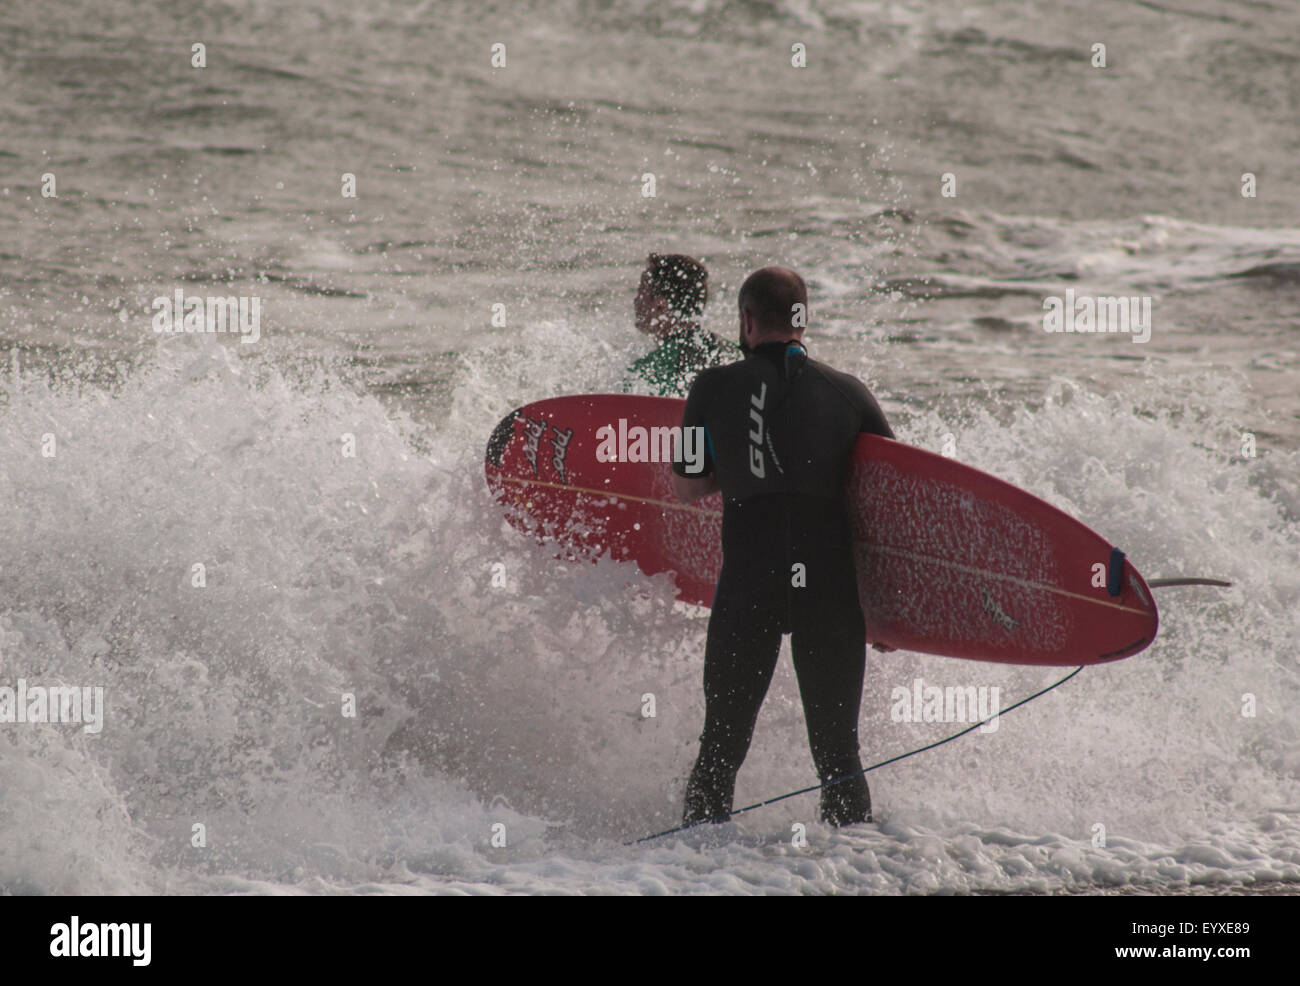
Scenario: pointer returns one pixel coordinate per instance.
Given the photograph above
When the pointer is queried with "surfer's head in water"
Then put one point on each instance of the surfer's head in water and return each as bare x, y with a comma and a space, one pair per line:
773, 307
672, 295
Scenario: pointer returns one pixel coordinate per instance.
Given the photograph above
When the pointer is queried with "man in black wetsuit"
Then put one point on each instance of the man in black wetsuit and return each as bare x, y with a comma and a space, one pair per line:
780, 429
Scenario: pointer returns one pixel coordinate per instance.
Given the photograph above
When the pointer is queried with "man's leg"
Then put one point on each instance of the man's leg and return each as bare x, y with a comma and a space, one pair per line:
740, 655
829, 661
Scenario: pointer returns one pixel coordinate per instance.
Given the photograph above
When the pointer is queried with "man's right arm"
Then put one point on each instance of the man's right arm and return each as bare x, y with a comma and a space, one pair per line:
694, 479
690, 490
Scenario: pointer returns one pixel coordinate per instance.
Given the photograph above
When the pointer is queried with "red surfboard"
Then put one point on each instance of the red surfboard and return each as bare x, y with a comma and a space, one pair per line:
950, 560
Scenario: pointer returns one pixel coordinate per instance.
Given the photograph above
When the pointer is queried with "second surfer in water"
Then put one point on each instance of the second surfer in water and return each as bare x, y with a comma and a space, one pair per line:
669, 305
780, 431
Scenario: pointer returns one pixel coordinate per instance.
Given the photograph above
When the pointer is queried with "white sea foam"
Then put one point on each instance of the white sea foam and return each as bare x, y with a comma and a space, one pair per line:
520, 706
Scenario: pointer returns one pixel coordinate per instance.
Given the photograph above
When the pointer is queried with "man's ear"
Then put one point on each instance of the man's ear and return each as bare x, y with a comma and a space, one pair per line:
747, 325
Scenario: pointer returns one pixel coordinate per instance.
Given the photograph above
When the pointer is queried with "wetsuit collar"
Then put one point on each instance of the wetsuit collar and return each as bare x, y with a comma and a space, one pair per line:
790, 353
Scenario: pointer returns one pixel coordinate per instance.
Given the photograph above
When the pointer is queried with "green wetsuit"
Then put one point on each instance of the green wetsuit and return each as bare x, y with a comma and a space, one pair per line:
671, 366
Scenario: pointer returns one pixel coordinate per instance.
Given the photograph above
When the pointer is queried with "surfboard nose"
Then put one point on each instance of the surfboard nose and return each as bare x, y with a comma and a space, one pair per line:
500, 438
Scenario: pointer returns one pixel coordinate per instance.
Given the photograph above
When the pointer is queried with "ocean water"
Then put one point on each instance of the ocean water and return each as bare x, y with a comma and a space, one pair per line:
489, 714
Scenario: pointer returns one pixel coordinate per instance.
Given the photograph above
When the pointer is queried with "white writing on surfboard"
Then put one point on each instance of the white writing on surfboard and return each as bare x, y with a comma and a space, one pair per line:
657, 444
560, 445
533, 432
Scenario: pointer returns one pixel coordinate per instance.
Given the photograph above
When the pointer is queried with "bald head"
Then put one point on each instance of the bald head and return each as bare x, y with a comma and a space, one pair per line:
776, 298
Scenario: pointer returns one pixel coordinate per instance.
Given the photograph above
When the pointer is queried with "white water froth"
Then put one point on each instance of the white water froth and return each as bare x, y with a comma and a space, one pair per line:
521, 705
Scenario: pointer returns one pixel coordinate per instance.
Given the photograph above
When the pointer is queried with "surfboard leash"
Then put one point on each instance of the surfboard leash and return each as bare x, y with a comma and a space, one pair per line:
1153, 583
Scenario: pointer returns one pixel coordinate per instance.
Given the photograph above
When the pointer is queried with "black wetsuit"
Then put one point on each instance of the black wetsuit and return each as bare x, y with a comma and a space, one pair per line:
780, 429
